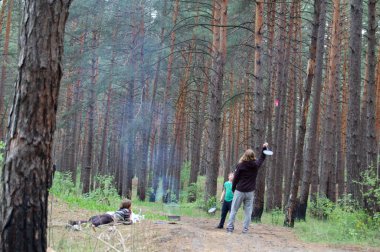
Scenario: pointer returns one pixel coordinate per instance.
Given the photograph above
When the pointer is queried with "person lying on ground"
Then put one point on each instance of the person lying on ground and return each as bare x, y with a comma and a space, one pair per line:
243, 186
122, 215
226, 199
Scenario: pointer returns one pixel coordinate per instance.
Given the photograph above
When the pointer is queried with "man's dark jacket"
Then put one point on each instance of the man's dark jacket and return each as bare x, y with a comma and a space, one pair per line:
246, 173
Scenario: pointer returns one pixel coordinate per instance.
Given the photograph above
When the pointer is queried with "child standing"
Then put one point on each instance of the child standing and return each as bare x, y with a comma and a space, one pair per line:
226, 198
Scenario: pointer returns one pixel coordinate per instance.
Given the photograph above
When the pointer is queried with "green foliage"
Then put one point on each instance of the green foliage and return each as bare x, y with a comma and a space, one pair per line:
371, 183
206, 205
63, 185
276, 214
185, 174
104, 198
192, 192
2, 147
321, 208
105, 191
343, 223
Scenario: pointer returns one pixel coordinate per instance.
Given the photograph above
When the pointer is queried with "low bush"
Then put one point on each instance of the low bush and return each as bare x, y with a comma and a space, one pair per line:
321, 208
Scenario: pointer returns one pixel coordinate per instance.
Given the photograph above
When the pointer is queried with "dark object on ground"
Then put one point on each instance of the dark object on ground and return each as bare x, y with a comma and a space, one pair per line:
173, 219
102, 219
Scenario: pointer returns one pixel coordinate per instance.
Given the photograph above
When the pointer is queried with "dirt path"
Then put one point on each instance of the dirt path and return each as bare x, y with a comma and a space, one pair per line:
187, 235
202, 236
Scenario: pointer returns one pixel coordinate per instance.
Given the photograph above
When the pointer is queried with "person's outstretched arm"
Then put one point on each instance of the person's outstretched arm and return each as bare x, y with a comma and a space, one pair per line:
260, 161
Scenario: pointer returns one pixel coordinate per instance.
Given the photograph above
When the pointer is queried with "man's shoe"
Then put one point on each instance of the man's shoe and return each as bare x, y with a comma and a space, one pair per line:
245, 230
219, 227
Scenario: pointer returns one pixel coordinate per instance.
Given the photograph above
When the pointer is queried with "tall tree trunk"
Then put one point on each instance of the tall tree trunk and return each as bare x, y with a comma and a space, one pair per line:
343, 126
258, 126
145, 128
378, 109
215, 111
298, 163
4, 67
24, 195
88, 159
311, 162
66, 138
103, 144
353, 134
327, 183
163, 134
2, 11
280, 123
156, 168
271, 15
292, 104
371, 118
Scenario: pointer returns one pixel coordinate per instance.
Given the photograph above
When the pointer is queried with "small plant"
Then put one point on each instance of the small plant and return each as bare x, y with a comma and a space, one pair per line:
321, 208
185, 174
371, 194
63, 184
276, 214
192, 191
105, 190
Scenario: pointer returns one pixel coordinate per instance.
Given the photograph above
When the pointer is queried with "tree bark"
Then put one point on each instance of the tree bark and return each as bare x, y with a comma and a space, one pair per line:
372, 144
271, 15
163, 133
27, 173
88, 159
4, 66
215, 110
353, 134
258, 126
292, 201
311, 162
327, 182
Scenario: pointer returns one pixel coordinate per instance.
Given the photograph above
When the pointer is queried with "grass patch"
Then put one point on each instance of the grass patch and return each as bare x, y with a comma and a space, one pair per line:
341, 224
318, 231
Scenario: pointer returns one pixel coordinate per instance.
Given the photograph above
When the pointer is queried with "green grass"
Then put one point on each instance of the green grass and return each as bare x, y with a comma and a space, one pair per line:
318, 231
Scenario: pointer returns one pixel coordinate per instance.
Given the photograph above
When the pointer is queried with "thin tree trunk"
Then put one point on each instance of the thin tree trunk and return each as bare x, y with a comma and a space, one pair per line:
371, 118
163, 134
271, 15
215, 111
327, 178
88, 159
2, 11
292, 201
4, 67
280, 124
311, 162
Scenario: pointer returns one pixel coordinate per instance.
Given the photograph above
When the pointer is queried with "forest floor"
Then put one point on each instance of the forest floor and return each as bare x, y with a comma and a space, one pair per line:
189, 234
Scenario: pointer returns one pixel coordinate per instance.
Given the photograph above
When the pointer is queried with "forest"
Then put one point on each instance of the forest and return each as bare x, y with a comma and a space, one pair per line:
157, 100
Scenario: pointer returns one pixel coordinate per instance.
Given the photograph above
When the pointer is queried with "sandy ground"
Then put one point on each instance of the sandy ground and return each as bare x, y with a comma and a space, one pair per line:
189, 234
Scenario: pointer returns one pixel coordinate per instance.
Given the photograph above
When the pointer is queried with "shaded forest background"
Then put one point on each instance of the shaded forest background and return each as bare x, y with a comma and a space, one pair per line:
152, 88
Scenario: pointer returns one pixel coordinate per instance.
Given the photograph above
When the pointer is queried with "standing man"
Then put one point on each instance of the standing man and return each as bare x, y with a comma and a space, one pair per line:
243, 187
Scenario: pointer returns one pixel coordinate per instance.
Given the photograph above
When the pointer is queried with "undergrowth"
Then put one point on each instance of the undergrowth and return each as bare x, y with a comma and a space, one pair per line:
327, 222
